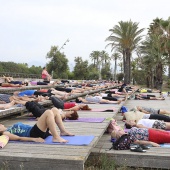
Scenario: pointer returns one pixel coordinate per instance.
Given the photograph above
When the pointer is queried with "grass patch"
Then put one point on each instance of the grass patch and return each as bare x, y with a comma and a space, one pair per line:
100, 163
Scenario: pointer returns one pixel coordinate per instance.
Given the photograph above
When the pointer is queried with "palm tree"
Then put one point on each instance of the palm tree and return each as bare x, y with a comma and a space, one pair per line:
153, 58
115, 56
165, 26
125, 36
95, 56
104, 58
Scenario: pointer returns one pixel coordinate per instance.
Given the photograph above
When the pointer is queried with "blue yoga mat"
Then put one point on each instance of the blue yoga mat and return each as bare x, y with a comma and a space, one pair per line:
165, 145
73, 140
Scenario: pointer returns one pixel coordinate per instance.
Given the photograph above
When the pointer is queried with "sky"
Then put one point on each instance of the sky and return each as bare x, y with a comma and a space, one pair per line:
28, 28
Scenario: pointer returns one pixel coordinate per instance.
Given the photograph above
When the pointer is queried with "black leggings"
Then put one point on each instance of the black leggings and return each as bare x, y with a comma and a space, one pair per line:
63, 89
39, 93
110, 98
160, 117
111, 92
35, 108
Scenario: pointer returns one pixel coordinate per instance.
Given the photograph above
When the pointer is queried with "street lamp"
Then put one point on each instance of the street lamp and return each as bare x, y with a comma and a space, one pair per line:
62, 47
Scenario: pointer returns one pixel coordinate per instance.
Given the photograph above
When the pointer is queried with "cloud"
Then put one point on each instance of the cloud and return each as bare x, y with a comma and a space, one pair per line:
30, 28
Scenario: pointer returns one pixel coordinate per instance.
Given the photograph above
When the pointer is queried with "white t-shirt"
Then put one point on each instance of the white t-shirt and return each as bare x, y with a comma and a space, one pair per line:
103, 94
2, 80
146, 122
146, 116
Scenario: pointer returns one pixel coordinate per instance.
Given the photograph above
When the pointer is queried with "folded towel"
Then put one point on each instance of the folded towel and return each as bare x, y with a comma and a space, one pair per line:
3, 140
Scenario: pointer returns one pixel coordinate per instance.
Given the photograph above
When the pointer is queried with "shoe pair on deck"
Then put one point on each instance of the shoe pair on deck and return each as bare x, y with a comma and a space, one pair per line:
139, 148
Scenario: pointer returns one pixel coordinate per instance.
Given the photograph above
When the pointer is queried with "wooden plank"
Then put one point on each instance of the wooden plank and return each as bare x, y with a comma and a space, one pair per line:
155, 157
61, 157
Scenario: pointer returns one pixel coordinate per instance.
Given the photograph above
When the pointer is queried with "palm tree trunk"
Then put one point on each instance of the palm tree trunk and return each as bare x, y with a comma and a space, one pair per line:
115, 69
159, 72
127, 68
168, 64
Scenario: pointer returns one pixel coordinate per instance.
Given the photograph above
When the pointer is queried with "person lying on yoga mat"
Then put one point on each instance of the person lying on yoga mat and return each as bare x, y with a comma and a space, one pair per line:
34, 83
147, 97
149, 110
148, 91
11, 85
4, 106
148, 123
29, 98
144, 136
6, 98
53, 92
95, 99
136, 116
37, 110
45, 126
111, 97
60, 104
11, 80
72, 90
42, 92
108, 94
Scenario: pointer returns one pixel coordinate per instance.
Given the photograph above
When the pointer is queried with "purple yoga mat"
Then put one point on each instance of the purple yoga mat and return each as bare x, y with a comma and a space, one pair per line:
126, 130
72, 140
89, 120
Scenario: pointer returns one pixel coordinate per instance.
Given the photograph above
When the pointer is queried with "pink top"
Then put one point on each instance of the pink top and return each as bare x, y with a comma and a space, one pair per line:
44, 74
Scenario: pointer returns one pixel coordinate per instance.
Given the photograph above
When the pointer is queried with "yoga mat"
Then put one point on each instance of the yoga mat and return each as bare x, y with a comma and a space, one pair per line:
112, 109
88, 120
73, 140
126, 130
165, 145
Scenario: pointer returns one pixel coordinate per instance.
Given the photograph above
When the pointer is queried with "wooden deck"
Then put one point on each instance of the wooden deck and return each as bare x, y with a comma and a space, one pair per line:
62, 157
12, 89
155, 157
15, 110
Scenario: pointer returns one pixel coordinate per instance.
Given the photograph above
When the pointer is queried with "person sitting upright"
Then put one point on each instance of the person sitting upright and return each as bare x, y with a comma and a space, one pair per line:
45, 75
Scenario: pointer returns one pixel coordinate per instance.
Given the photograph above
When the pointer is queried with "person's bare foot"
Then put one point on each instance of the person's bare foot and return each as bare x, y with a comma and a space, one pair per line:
2, 108
65, 96
46, 98
65, 133
118, 102
2, 102
13, 102
60, 140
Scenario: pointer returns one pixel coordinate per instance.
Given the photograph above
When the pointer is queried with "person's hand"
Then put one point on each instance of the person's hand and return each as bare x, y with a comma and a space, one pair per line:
40, 140
2, 102
155, 144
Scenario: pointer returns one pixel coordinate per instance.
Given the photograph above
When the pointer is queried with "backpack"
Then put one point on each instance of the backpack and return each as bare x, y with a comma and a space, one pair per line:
123, 143
113, 126
123, 109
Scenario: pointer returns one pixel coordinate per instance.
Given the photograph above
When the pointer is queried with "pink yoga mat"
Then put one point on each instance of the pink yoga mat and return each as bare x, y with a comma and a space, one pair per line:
111, 109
